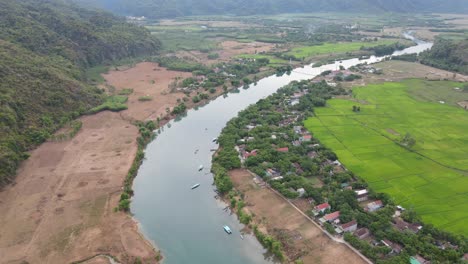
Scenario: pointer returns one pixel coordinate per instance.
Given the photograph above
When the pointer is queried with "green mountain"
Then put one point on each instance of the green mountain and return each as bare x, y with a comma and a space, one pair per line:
45, 48
173, 8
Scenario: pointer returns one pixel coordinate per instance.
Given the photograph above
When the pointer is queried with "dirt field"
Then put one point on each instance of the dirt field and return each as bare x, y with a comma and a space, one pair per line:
399, 70
229, 49
146, 79
61, 207
279, 217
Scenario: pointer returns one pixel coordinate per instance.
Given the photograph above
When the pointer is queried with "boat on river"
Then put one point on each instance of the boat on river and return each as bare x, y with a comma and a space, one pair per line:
227, 229
195, 186
200, 168
215, 139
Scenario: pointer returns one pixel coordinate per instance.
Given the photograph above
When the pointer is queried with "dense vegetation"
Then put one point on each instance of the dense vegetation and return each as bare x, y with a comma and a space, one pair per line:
45, 48
160, 8
276, 122
447, 54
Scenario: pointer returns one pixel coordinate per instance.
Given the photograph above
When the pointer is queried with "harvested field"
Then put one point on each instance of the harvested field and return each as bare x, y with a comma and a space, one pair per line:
281, 219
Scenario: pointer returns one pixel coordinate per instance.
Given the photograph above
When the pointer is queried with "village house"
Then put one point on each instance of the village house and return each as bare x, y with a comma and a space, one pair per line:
396, 248
305, 138
298, 168
362, 195
321, 208
374, 206
247, 154
419, 260
402, 225
285, 149
298, 129
362, 233
272, 172
332, 217
296, 143
312, 154
301, 192
349, 227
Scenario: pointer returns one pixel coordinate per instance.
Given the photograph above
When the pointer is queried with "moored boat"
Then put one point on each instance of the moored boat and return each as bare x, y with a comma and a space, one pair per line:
227, 229
195, 186
200, 168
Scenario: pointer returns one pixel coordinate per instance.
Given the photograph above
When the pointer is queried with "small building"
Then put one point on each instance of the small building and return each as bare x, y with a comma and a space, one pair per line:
271, 172
312, 154
349, 227
301, 192
305, 138
297, 129
273, 136
296, 143
277, 178
374, 206
247, 154
332, 216
396, 248
321, 208
418, 260
285, 149
362, 233
402, 225
362, 195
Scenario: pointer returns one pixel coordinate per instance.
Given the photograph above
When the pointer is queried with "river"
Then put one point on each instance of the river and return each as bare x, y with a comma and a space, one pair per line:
187, 225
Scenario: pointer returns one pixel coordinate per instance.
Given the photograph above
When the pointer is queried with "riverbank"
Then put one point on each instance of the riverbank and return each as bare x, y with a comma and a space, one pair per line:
303, 238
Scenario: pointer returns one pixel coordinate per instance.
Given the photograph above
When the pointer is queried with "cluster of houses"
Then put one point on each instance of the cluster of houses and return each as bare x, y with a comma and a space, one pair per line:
323, 215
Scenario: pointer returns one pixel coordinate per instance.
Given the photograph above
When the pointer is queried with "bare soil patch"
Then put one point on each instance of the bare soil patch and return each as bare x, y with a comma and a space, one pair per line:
147, 79
396, 70
281, 219
463, 104
232, 48
61, 208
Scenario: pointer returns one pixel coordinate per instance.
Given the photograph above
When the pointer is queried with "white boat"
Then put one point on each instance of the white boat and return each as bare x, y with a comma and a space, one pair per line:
227, 229
200, 168
195, 186
215, 139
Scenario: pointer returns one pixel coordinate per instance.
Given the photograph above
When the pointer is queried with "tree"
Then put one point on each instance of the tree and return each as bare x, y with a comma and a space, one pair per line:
408, 140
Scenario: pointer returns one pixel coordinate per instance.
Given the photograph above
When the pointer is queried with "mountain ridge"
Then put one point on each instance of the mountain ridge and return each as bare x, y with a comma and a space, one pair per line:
177, 8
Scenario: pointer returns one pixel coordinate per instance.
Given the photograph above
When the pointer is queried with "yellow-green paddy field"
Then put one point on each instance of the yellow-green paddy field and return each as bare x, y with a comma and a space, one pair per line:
432, 176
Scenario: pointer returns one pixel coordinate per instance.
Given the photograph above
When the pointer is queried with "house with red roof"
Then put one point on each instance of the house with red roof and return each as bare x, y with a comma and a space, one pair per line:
305, 138
330, 217
374, 206
285, 149
321, 208
349, 227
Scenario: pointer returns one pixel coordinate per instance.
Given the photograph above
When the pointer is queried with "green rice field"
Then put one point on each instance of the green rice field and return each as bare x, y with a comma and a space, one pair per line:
432, 176
309, 51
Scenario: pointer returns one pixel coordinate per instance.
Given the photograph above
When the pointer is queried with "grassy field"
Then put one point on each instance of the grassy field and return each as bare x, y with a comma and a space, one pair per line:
432, 178
273, 60
309, 51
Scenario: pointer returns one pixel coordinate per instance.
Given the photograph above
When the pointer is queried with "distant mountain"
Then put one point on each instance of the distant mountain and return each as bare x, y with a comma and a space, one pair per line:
45, 47
174, 8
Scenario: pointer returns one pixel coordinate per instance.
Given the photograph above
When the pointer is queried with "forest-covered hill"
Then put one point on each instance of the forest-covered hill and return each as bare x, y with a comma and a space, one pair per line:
451, 55
174, 8
45, 48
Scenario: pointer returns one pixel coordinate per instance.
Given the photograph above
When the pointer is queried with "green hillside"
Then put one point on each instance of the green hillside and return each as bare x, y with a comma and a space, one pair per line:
451, 55
45, 48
